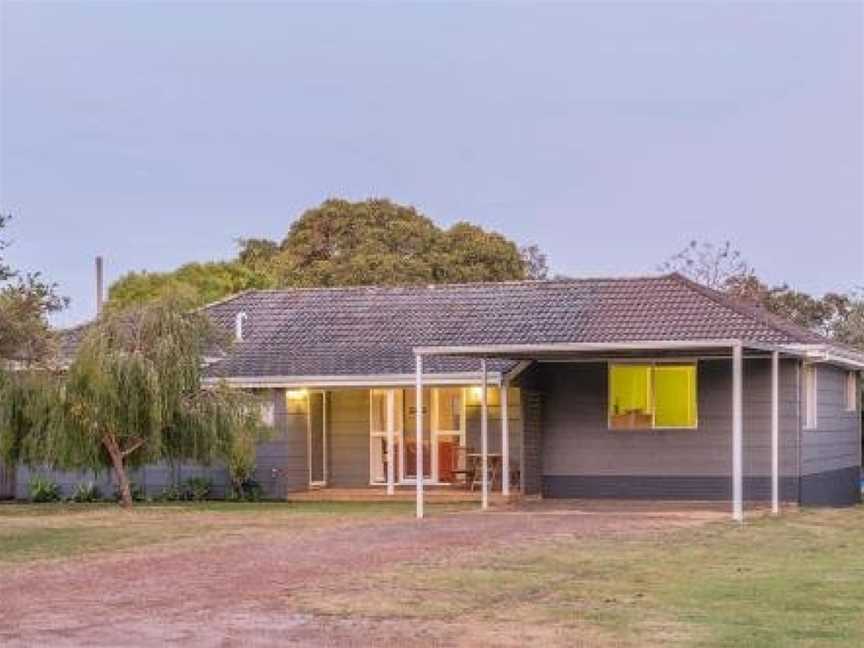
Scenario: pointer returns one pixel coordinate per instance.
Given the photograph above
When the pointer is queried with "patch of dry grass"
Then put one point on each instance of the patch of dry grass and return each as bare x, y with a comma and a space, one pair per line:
797, 580
40, 532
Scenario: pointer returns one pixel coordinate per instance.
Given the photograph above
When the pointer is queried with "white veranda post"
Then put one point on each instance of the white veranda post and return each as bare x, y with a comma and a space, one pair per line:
775, 432
505, 439
419, 435
737, 434
484, 436
391, 445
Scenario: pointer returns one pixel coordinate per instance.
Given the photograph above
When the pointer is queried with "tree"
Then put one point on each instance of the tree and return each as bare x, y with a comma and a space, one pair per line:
26, 300
709, 264
850, 329
192, 285
534, 262
347, 243
723, 268
133, 395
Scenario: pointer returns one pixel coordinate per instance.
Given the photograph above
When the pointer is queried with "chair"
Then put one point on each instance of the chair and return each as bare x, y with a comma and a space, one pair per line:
463, 466
493, 475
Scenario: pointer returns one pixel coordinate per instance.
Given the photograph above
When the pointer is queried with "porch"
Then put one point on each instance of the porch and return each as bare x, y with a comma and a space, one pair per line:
434, 495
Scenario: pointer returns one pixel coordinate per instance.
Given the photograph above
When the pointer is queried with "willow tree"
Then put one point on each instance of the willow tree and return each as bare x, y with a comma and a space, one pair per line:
134, 394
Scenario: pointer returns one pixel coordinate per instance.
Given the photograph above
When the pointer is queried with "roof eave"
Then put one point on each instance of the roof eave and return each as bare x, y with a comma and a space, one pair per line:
367, 380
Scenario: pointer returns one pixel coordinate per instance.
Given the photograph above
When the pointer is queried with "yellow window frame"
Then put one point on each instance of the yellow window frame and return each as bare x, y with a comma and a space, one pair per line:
618, 420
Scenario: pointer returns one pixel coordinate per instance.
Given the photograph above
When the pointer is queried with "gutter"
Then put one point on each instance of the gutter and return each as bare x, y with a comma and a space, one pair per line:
380, 380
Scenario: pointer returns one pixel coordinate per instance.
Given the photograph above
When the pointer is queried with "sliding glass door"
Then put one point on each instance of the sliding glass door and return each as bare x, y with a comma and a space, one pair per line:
385, 414
448, 432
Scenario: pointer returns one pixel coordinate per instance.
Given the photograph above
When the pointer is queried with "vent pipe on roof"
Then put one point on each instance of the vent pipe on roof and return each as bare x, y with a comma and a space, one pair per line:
100, 291
239, 320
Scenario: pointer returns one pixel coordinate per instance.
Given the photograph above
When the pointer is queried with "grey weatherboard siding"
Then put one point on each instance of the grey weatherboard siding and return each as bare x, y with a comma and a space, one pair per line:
831, 452
582, 458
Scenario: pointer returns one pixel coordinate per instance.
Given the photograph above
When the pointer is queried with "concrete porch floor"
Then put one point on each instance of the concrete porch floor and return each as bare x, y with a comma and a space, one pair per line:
431, 494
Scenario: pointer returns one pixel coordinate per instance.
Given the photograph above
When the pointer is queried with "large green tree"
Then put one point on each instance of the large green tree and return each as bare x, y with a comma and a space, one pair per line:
26, 300
133, 395
341, 243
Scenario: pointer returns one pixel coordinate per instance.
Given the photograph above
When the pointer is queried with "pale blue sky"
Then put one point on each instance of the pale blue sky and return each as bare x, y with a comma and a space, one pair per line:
609, 135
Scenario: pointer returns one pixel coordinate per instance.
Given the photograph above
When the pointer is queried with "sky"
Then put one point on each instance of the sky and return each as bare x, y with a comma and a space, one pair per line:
610, 134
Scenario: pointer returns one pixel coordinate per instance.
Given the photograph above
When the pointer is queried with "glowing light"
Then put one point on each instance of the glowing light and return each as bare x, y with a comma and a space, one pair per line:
296, 394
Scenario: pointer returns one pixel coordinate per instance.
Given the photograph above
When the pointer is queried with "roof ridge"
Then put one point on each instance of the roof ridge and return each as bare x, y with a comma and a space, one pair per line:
437, 286
753, 311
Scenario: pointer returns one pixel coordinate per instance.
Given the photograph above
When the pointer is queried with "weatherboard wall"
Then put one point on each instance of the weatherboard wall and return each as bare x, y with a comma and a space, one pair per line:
581, 457
831, 452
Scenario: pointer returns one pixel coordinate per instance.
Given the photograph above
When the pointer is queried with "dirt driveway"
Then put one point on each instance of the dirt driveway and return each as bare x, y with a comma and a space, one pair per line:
239, 589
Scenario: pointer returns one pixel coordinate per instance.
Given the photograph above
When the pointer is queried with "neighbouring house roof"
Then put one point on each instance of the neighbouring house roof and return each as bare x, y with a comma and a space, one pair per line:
362, 331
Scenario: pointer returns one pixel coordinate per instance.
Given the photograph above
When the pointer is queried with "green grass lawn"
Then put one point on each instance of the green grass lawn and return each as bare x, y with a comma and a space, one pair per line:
797, 580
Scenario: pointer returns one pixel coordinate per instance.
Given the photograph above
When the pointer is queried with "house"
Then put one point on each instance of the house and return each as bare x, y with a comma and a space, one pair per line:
652, 387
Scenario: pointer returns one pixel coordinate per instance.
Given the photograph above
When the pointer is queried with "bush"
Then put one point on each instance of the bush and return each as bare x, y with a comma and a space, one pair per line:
86, 492
196, 489
43, 490
170, 494
248, 490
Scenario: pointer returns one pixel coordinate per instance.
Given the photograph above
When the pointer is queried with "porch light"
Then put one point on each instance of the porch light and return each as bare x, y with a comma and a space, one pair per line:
296, 394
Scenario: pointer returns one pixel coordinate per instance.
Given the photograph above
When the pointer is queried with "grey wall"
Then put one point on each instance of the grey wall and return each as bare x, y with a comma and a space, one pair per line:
830, 453
281, 462
582, 458
151, 479
348, 438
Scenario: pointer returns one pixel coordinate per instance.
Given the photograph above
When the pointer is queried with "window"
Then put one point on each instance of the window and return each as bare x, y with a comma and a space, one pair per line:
448, 410
268, 414
296, 401
646, 396
810, 399
851, 391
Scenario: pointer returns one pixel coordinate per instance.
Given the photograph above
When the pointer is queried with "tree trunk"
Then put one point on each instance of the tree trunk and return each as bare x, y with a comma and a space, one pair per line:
120, 471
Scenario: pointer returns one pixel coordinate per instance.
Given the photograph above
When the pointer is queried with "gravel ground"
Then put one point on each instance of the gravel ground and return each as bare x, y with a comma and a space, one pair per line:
238, 590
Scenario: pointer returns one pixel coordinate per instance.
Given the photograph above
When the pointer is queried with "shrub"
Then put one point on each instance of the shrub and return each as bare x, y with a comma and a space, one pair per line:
86, 492
248, 490
197, 489
43, 489
170, 494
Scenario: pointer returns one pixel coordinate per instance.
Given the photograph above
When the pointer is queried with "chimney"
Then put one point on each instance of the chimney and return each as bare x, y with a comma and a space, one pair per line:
99, 286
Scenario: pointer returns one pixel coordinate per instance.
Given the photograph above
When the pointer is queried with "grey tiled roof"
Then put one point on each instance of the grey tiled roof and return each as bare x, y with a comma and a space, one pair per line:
372, 330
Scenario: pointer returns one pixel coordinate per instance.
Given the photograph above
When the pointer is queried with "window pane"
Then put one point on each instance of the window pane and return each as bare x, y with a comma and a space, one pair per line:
675, 396
378, 411
449, 409
630, 396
